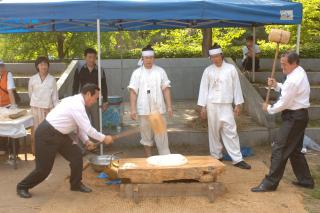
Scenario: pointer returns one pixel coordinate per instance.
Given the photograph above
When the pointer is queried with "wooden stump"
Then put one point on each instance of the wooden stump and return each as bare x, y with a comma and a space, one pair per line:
137, 192
196, 178
198, 168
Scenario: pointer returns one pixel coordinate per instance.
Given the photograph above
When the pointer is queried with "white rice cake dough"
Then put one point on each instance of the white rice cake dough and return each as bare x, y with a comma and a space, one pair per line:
167, 160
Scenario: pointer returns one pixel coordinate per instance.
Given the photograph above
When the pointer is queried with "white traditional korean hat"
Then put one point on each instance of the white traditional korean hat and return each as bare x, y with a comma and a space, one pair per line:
146, 52
215, 50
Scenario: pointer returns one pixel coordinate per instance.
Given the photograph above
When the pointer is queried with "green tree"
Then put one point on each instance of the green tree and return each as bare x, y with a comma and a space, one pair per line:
310, 27
167, 42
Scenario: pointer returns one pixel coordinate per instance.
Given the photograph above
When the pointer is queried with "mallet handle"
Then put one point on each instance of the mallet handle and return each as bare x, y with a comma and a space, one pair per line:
126, 133
122, 135
273, 72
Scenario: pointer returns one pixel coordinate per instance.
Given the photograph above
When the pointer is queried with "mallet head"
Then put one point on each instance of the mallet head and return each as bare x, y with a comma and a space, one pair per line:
279, 36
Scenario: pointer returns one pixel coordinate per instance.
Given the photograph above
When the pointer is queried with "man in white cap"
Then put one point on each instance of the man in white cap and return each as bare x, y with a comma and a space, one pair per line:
219, 89
149, 89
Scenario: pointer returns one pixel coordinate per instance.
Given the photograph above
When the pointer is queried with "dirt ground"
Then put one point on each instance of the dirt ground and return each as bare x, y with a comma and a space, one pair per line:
53, 195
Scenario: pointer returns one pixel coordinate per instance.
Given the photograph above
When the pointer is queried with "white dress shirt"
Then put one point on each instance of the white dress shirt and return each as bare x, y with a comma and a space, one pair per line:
70, 115
220, 85
155, 80
295, 92
10, 81
245, 51
43, 94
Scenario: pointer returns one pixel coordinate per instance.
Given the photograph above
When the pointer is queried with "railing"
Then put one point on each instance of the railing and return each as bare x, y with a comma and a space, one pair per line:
65, 82
253, 101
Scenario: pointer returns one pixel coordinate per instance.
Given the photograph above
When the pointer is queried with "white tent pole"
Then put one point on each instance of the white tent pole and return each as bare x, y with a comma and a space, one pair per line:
254, 54
121, 56
298, 39
99, 80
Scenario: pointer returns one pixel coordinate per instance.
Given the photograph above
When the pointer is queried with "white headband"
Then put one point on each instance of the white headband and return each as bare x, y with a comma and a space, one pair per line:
215, 51
147, 53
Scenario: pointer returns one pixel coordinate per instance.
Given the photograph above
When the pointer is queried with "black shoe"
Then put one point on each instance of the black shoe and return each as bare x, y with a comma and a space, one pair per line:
81, 188
263, 188
242, 165
309, 186
23, 193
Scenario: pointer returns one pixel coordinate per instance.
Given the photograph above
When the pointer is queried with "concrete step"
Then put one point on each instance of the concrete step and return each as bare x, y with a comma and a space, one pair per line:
314, 110
28, 69
186, 116
23, 81
309, 64
187, 137
314, 123
314, 95
261, 77
314, 113
311, 70
25, 100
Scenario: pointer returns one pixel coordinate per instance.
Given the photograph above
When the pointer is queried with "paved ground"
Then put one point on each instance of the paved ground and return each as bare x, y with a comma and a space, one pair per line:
186, 116
53, 194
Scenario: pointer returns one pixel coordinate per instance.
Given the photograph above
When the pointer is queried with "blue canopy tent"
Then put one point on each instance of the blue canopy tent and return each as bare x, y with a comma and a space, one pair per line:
23, 16
18, 16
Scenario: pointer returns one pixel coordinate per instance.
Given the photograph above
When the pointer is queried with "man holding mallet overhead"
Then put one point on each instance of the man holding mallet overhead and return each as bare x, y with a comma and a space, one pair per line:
294, 104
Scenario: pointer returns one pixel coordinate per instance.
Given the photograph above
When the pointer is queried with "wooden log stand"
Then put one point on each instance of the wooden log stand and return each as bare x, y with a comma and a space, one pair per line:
196, 178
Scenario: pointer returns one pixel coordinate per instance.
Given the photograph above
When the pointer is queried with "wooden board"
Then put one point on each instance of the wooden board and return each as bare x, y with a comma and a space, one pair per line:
198, 168
139, 191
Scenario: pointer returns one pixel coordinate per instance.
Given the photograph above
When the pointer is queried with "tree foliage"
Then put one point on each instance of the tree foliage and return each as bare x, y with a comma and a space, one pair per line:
168, 43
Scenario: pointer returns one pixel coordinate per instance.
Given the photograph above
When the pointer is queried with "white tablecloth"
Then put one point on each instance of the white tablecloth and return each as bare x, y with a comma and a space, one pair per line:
16, 128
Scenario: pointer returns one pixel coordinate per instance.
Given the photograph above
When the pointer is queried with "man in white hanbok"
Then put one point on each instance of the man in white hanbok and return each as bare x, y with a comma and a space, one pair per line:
219, 89
149, 89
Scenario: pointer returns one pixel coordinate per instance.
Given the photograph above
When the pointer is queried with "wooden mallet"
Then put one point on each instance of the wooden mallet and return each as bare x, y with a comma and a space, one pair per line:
278, 36
121, 135
114, 137
157, 123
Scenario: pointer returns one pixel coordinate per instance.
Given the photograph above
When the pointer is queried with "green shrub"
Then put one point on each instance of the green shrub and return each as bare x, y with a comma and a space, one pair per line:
267, 51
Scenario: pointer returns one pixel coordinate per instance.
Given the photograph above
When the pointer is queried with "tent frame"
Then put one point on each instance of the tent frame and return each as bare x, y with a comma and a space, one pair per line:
104, 16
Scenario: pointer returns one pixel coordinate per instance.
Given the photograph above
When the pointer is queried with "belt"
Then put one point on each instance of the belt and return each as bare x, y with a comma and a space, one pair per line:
296, 110
50, 127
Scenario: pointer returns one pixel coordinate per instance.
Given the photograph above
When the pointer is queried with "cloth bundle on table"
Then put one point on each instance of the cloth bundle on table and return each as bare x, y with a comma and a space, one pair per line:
14, 128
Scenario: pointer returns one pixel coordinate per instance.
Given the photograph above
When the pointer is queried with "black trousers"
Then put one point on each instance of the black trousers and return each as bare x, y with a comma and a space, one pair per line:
247, 64
288, 145
48, 142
